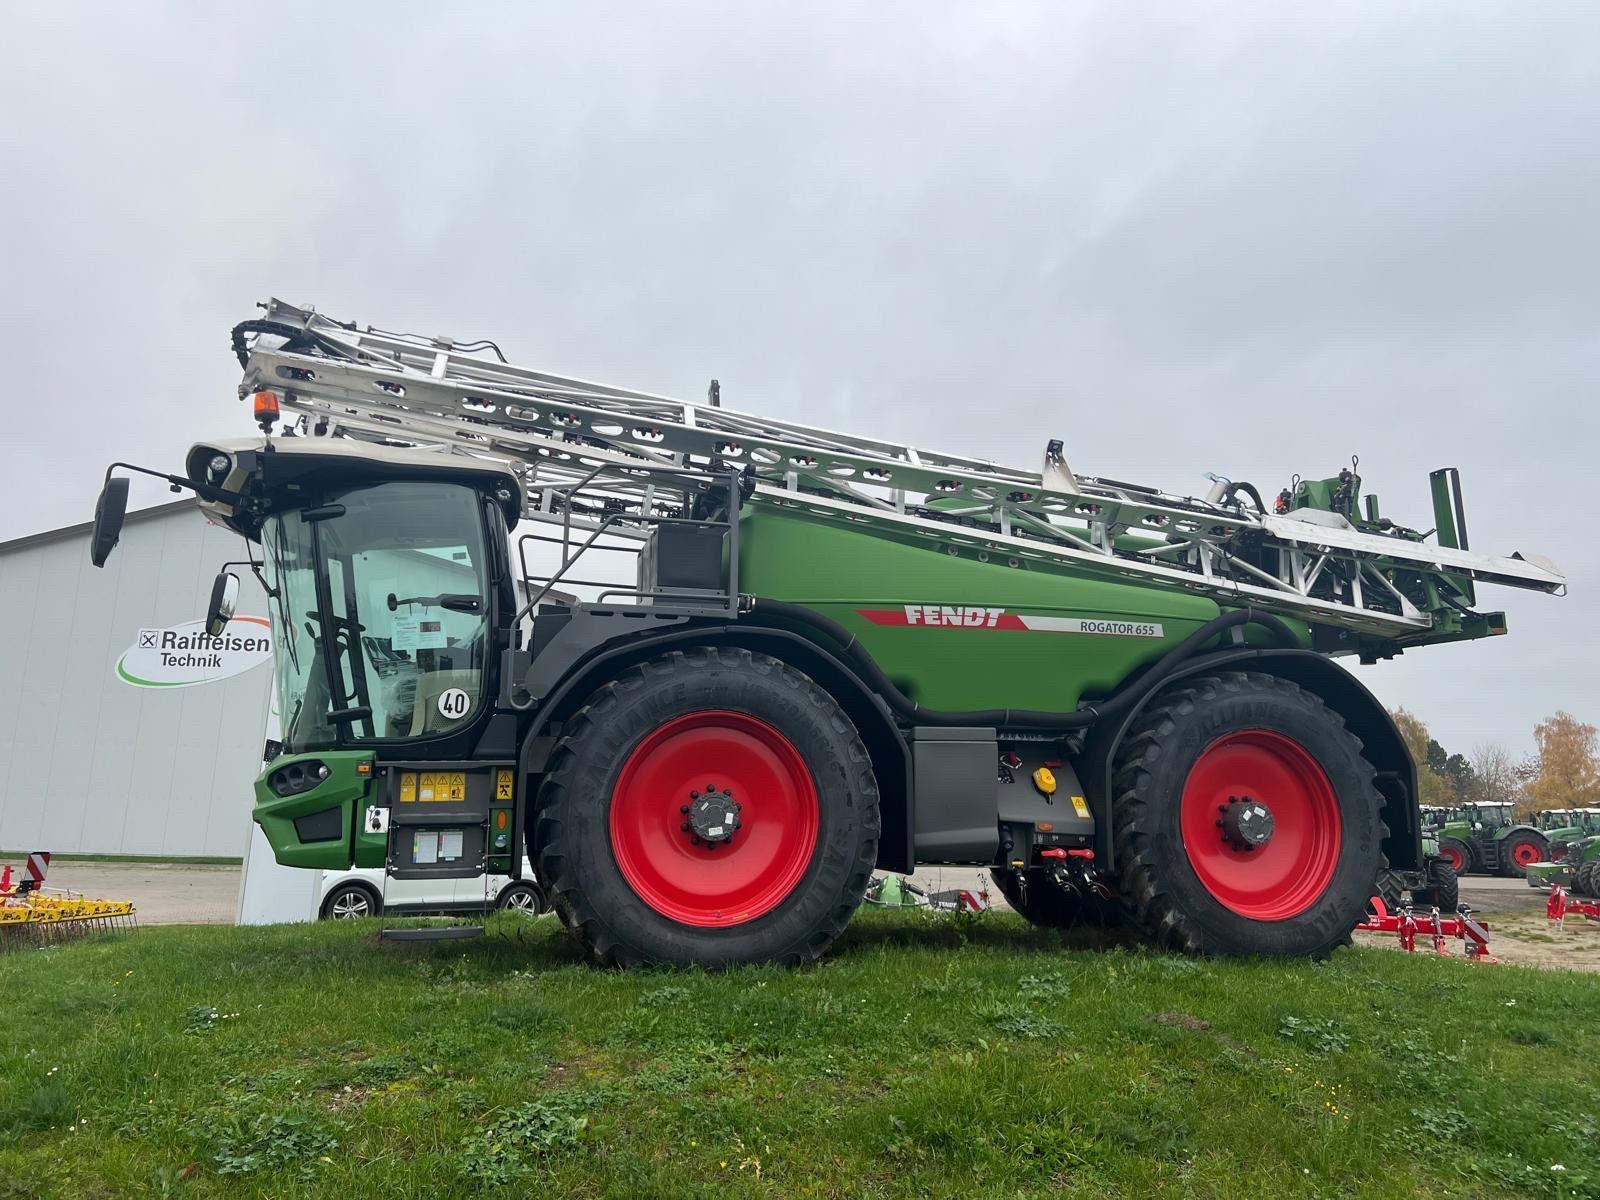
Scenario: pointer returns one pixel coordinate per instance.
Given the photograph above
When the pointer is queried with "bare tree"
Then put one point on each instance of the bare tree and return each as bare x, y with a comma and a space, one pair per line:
1495, 776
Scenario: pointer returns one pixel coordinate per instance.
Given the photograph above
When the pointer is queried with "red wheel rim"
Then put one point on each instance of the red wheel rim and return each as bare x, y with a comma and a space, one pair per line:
1288, 874
1525, 854
744, 877
1453, 856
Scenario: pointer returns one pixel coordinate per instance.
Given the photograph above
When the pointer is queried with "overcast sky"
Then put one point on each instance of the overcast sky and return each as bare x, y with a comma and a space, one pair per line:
1254, 239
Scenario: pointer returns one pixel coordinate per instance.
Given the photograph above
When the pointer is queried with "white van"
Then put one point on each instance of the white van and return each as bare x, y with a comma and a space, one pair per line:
367, 892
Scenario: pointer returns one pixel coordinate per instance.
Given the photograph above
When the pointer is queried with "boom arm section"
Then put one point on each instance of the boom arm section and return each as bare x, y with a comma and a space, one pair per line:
1376, 586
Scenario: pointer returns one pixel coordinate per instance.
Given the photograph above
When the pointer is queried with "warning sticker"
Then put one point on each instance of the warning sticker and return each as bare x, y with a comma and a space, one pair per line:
504, 789
1079, 807
408, 787
440, 787
417, 633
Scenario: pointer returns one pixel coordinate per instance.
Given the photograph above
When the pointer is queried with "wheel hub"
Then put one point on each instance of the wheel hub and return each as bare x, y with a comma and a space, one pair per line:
713, 816
1246, 824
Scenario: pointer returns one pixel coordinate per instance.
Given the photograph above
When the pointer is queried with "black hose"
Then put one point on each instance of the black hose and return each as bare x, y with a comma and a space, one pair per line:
1249, 489
295, 338
1125, 696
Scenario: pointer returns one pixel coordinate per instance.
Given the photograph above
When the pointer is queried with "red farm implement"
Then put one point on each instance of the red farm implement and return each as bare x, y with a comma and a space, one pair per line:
1408, 923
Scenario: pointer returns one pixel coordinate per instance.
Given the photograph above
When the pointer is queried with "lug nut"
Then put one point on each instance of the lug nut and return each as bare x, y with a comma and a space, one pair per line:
693, 795
683, 808
685, 826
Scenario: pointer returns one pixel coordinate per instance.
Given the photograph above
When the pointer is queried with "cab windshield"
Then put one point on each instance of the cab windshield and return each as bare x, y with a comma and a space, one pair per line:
380, 603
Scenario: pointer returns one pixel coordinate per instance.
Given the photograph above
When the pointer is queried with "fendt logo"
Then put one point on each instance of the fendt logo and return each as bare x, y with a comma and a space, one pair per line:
967, 618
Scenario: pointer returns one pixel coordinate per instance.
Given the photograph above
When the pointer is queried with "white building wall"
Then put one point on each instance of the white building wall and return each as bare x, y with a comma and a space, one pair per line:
88, 763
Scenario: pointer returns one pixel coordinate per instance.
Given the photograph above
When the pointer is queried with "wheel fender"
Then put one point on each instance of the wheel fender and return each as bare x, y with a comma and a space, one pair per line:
1518, 830
891, 758
1341, 691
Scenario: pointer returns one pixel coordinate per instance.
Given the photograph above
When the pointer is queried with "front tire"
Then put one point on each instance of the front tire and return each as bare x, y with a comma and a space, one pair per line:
1202, 869
711, 807
1461, 856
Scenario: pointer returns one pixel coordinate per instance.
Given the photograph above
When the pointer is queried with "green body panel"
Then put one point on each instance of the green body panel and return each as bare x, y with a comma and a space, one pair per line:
343, 787
840, 572
1464, 831
1564, 826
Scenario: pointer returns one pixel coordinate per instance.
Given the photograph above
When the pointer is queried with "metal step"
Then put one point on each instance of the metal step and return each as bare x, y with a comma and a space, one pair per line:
432, 934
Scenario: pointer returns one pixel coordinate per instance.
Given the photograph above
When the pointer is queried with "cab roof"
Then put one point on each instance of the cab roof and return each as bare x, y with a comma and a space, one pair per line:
265, 475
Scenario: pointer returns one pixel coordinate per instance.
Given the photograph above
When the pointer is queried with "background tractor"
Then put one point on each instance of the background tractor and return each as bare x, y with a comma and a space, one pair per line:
1564, 826
1485, 839
1434, 885
1576, 868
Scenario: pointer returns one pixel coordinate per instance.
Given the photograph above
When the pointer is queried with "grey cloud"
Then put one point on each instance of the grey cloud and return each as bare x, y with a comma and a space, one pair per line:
1254, 239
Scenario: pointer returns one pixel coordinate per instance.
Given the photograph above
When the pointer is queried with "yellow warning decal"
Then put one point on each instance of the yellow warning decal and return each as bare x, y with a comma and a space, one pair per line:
442, 787
503, 787
408, 787
1080, 807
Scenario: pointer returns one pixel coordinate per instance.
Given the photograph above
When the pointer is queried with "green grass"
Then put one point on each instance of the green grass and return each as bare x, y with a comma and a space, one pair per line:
924, 1057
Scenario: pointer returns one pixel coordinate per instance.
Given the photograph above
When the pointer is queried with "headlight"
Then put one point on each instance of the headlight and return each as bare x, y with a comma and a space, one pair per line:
217, 469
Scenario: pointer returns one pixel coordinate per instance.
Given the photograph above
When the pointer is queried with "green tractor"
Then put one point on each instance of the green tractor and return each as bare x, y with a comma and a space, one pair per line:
1485, 839
1575, 862
822, 655
1564, 826
1434, 885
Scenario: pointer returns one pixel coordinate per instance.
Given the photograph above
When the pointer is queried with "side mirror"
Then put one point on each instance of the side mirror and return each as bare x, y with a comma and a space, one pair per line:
224, 600
109, 511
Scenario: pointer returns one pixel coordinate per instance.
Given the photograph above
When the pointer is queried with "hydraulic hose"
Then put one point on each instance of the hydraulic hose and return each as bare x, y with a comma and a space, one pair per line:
1248, 489
1087, 714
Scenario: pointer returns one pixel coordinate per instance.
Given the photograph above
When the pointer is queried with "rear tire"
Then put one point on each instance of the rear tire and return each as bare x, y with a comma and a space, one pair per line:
616, 845
527, 899
1444, 887
1390, 888
1521, 850
1587, 881
1262, 739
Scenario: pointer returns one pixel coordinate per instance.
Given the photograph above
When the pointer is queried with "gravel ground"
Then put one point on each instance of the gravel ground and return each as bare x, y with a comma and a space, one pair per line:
162, 893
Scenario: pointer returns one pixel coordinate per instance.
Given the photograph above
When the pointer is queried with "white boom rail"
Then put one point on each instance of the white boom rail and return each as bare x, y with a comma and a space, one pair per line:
558, 432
